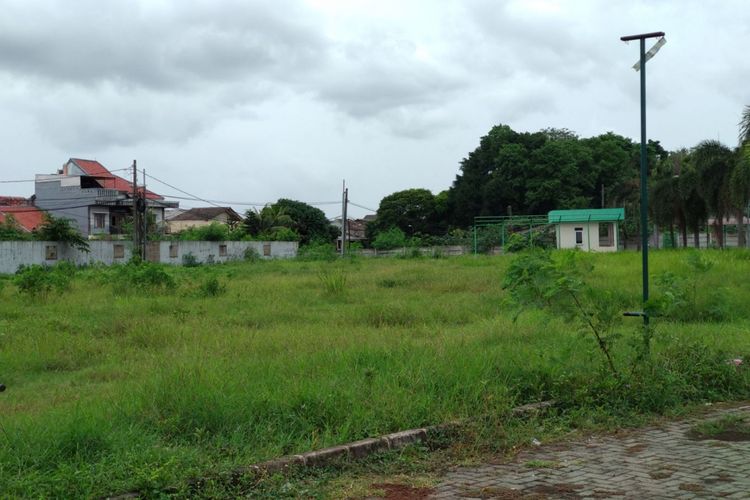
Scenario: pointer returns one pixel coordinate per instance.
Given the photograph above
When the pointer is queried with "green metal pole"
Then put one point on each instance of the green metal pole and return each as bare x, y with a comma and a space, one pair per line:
644, 179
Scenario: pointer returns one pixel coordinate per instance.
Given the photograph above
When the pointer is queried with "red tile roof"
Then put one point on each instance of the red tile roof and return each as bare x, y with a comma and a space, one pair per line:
29, 218
10, 201
109, 180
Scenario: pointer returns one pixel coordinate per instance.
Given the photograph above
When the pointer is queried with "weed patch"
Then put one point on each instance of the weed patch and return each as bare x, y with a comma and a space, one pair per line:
727, 428
143, 276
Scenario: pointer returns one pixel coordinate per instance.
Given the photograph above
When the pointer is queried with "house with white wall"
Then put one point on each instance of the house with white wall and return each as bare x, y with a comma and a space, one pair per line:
96, 200
593, 230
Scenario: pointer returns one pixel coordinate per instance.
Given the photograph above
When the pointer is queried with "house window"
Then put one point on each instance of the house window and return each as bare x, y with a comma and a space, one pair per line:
172, 251
118, 251
606, 234
579, 236
50, 252
100, 220
222, 250
266, 249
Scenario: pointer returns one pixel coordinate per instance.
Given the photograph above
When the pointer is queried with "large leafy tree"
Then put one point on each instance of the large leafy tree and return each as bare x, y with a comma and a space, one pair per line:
309, 222
413, 211
532, 173
714, 163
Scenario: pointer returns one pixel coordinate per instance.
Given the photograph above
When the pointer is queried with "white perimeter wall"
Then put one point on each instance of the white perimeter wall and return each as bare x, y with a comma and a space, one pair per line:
16, 253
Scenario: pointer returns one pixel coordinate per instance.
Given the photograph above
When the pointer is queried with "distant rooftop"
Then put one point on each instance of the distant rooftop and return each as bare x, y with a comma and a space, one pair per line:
27, 217
207, 214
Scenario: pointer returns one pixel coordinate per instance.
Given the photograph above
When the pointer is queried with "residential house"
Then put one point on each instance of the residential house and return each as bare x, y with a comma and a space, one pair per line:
197, 217
589, 229
96, 200
356, 230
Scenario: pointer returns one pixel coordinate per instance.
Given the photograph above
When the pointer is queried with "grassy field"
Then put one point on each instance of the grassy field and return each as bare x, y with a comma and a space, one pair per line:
116, 384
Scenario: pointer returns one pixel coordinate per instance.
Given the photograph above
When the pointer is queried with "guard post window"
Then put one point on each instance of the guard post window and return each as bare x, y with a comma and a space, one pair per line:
579, 236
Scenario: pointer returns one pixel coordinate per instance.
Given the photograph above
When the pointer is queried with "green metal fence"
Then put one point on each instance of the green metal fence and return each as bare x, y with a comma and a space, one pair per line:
509, 224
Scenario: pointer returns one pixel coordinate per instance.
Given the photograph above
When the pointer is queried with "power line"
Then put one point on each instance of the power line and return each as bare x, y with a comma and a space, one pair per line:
362, 207
248, 203
180, 190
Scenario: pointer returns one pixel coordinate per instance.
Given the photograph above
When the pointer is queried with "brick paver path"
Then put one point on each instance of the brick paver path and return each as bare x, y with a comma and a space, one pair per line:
654, 462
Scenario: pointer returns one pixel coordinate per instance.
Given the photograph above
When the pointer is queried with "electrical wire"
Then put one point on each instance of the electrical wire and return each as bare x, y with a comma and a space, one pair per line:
180, 190
362, 207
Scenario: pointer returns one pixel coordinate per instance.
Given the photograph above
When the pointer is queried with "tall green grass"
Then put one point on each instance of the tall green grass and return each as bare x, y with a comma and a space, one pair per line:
113, 388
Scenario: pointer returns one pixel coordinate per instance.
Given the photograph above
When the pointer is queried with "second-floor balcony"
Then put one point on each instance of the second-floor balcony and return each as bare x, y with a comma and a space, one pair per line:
108, 196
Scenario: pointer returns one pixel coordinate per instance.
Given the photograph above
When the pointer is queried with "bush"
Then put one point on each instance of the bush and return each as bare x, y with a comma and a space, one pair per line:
390, 239
251, 255
679, 298
190, 260
36, 280
142, 276
279, 234
317, 250
212, 288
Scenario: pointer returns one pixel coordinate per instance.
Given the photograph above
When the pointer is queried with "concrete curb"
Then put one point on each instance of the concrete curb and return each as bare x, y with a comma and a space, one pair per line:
351, 451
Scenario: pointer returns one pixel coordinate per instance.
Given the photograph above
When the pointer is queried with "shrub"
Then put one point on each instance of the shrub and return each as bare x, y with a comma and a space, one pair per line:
190, 260
390, 239
212, 288
251, 255
679, 297
36, 280
536, 279
317, 250
143, 276
279, 234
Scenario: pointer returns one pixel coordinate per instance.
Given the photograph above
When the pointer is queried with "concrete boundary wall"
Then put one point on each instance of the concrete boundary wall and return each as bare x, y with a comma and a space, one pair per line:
16, 253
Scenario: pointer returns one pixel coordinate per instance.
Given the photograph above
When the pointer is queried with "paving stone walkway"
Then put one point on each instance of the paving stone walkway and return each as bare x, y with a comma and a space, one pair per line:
654, 462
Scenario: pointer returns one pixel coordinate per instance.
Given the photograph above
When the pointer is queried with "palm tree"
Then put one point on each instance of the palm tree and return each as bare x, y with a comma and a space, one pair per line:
667, 202
714, 163
694, 205
273, 218
739, 183
745, 126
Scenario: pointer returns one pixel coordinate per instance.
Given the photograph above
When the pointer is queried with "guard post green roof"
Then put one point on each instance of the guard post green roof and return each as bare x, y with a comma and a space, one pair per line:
586, 215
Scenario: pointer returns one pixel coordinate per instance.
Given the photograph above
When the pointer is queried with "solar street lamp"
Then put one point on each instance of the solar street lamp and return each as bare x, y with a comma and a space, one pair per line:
641, 66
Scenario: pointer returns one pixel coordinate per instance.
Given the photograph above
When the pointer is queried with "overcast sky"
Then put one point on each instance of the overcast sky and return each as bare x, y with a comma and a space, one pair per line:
250, 101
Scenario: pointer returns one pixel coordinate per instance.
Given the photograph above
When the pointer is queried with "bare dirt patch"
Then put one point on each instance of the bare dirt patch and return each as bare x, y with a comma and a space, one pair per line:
402, 491
559, 490
636, 448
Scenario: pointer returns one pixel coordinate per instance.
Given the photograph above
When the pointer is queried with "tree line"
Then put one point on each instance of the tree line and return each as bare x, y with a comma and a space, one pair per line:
522, 173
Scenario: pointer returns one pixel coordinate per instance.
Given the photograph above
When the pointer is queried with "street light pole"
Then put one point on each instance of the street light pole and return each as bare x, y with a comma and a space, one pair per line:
644, 157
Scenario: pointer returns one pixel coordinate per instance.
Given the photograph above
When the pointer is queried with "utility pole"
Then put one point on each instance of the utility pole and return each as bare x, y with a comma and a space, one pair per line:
144, 216
136, 224
641, 65
344, 204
